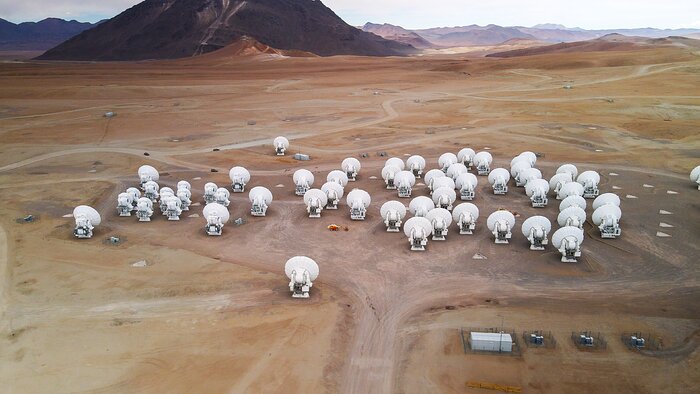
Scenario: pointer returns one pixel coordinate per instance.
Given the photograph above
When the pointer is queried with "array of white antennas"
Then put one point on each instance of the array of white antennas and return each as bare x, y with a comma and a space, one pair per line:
440, 221
466, 184
444, 196
568, 241
301, 271
537, 190
260, 198
393, 213
466, 215
466, 157
146, 174
501, 223
216, 216
482, 161
418, 229
281, 145
499, 179
607, 215
695, 176
404, 182
334, 192
351, 166
127, 201
315, 201
589, 180
303, 180
86, 218
420, 206
416, 164
446, 160
536, 229
239, 178
392, 167
358, 200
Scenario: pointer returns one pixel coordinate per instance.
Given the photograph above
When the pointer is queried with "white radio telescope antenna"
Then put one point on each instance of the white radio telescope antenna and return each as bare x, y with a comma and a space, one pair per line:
165, 192
147, 173
404, 182
607, 218
499, 179
210, 189
568, 241
184, 185
185, 196
125, 204
483, 161
260, 199
589, 180
397, 162
466, 157
528, 156
466, 215
518, 167
144, 209
388, 174
420, 206
315, 201
500, 223
605, 199
239, 178
416, 164
221, 196
135, 195
573, 201
173, 207
466, 184
86, 218
358, 200
440, 220
393, 213
446, 160
570, 189
339, 177
351, 166
529, 174
303, 180
444, 197
444, 181
568, 169
455, 170
572, 216
536, 229
418, 229
334, 192
695, 176
216, 216
559, 180
301, 271
150, 190
431, 176
281, 145
537, 190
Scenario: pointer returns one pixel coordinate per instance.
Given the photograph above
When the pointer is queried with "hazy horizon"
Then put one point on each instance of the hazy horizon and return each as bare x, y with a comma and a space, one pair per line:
418, 14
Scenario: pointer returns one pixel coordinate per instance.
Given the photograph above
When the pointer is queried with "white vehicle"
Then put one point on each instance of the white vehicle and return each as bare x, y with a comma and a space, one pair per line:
466, 215
537, 190
150, 190
444, 197
358, 201
315, 201
144, 209
334, 192
416, 164
499, 179
352, 167
589, 180
572, 216
281, 145
500, 223
86, 218
466, 157
301, 271
466, 184
404, 181
239, 178
124, 204
216, 216
388, 174
303, 180
210, 189
418, 229
536, 229
568, 241
440, 220
260, 199
431, 176
221, 196
420, 206
482, 161
393, 213
146, 174
446, 160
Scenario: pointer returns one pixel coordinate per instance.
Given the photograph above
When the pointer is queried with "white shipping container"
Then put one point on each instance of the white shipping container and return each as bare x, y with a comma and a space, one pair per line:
491, 342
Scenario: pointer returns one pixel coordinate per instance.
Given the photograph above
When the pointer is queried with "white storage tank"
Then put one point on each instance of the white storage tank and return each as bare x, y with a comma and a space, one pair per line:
491, 341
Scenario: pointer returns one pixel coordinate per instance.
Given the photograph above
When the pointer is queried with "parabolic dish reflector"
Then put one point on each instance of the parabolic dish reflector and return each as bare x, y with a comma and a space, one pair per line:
563, 177
433, 174
305, 175
304, 263
454, 170
417, 222
216, 209
441, 213
89, 212
606, 198
281, 141
530, 156
566, 232
184, 185
499, 173
571, 212
519, 166
444, 191
239, 172
588, 175
466, 154
135, 193
316, 194
536, 221
606, 210
498, 216
260, 191
483, 157
361, 195
568, 169
417, 161
147, 170
390, 170
393, 206
465, 207
396, 162
466, 179
446, 159
573, 201
536, 184
405, 178
444, 181
146, 200
695, 174
328, 186
338, 177
529, 174
571, 189
421, 203
350, 161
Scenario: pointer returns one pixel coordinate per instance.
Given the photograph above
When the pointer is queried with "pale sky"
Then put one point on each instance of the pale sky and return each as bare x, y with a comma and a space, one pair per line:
413, 14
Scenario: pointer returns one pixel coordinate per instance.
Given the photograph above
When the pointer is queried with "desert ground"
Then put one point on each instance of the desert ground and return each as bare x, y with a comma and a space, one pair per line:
214, 314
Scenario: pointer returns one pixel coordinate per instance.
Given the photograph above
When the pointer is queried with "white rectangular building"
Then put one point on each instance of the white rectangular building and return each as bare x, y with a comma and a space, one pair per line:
491, 341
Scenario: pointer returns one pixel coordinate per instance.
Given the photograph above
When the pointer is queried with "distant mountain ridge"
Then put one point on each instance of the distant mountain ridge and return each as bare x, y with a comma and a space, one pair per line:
40, 35
397, 33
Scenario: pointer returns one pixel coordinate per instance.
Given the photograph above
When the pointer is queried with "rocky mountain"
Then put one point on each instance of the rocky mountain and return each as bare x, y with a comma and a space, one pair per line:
472, 35
167, 29
397, 33
40, 35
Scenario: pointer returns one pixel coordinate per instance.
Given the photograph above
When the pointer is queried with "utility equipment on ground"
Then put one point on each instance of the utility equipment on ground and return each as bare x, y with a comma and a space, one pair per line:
466, 184
572, 216
421, 205
351, 166
315, 200
260, 198
239, 178
147, 173
499, 179
334, 192
440, 219
589, 180
358, 200
466, 215
482, 161
446, 160
281, 145
301, 271
501, 223
303, 180
86, 218
418, 229
216, 216
537, 190
210, 189
536, 229
393, 213
607, 218
144, 209
404, 182
444, 197
568, 241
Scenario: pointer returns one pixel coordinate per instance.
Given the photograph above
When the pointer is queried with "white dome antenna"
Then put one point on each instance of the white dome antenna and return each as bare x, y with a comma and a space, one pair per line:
124, 204
537, 190
334, 192
572, 216
499, 179
559, 180
466, 157
695, 176
150, 190
165, 192
466, 184
440, 220
352, 167
404, 181
221, 196
573, 201
455, 170
607, 218
358, 201
239, 178
135, 195
185, 195
388, 174
396, 162
446, 160
315, 201
529, 174
184, 185
444, 197
568, 241
210, 189
301, 271
466, 215
147, 173
281, 145
536, 229
530, 157
501, 223
173, 207
444, 181
589, 180
393, 213
260, 199
482, 161
216, 216
518, 167
86, 218
418, 229
303, 180
339, 177
605, 199
416, 164
420, 206
568, 169
144, 209
570, 189
431, 176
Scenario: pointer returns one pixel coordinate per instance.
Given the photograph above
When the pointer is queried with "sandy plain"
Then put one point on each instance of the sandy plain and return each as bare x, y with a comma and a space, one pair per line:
214, 314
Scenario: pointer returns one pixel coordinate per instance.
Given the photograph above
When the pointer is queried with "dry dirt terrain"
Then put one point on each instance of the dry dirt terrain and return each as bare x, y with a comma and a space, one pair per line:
214, 314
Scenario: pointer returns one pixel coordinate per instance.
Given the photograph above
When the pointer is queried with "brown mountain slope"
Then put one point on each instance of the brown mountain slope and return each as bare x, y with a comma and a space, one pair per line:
398, 33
